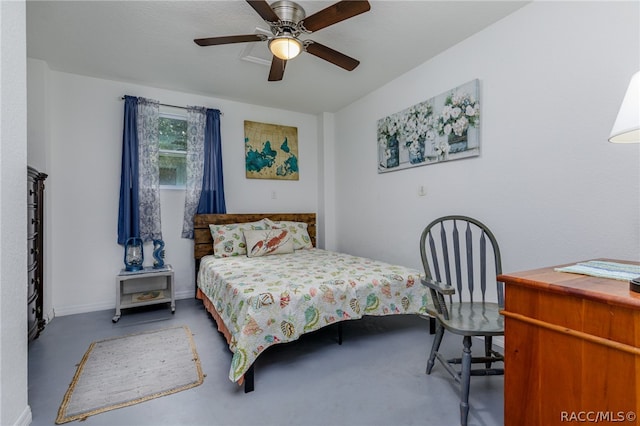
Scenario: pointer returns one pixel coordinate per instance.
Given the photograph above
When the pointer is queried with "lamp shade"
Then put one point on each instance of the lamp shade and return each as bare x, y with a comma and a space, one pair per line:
626, 129
285, 47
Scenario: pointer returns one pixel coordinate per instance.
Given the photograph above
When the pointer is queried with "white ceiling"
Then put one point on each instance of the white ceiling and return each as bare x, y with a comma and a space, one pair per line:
151, 43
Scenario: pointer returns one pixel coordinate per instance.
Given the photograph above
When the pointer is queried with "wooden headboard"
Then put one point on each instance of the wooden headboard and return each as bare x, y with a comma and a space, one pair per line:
203, 241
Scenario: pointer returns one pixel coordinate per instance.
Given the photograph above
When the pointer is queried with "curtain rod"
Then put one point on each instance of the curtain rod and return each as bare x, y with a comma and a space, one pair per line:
172, 106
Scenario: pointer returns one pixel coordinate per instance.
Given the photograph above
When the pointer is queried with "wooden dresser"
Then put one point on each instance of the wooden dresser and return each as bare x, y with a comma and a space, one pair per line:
35, 239
572, 349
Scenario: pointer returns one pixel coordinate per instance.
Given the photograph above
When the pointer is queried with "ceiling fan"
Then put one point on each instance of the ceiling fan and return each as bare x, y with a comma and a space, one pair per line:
287, 20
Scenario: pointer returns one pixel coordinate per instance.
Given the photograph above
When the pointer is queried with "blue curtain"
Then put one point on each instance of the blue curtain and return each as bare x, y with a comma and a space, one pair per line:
212, 195
128, 213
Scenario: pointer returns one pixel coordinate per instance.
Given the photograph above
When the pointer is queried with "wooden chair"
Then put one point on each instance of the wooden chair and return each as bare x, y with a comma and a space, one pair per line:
458, 253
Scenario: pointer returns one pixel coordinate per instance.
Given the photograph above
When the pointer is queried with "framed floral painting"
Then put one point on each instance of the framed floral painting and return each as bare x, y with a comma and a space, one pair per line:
443, 128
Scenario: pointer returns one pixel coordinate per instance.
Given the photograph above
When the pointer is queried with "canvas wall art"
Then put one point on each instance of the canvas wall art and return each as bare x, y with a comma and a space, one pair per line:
271, 151
443, 128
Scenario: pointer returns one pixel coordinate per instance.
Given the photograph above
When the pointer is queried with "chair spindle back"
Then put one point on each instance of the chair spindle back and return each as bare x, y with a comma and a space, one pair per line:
456, 240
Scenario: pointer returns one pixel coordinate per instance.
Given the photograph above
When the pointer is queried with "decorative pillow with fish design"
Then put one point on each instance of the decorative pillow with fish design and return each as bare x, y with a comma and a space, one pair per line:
298, 231
228, 240
268, 242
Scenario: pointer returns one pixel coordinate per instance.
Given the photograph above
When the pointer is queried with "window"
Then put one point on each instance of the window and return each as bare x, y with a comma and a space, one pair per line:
173, 150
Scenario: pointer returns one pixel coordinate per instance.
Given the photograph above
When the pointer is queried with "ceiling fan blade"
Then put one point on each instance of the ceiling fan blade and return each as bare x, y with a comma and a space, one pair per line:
337, 12
277, 69
333, 56
264, 10
212, 41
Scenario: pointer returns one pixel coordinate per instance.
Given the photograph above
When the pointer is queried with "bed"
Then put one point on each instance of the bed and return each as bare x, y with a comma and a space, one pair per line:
259, 298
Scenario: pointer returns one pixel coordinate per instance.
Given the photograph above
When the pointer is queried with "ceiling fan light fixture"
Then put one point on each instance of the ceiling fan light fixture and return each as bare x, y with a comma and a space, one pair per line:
287, 20
285, 47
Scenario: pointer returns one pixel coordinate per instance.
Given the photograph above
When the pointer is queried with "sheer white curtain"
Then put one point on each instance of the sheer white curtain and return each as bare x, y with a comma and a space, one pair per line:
196, 120
148, 170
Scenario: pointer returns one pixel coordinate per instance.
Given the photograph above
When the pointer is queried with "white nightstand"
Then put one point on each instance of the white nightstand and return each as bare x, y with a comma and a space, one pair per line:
144, 291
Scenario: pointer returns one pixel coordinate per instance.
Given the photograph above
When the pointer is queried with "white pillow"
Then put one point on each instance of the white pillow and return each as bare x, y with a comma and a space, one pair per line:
298, 231
268, 242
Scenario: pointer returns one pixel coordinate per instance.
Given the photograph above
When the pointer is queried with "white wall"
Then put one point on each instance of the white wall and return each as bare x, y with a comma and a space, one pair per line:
326, 237
37, 114
85, 139
547, 182
14, 408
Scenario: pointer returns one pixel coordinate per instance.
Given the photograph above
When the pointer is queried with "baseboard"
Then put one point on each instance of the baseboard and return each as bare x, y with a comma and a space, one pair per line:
49, 316
185, 294
25, 418
82, 309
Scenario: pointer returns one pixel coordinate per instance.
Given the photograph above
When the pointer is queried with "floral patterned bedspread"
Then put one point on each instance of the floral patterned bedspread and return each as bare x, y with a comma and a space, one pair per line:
268, 300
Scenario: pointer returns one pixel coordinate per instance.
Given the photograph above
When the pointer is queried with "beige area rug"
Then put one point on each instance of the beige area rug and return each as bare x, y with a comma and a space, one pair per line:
123, 371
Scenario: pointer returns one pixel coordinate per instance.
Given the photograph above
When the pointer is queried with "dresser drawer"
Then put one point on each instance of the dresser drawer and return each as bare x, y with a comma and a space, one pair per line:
33, 280
32, 222
32, 317
32, 251
32, 192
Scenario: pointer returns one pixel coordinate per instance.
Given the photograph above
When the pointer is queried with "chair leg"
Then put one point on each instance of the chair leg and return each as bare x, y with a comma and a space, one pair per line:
488, 346
465, 380
437, 339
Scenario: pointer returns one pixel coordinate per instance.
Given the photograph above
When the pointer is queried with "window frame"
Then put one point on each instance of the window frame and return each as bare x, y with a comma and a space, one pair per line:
172, 152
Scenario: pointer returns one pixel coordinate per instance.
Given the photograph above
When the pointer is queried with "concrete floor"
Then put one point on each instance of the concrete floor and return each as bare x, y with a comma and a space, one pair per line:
376, 377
